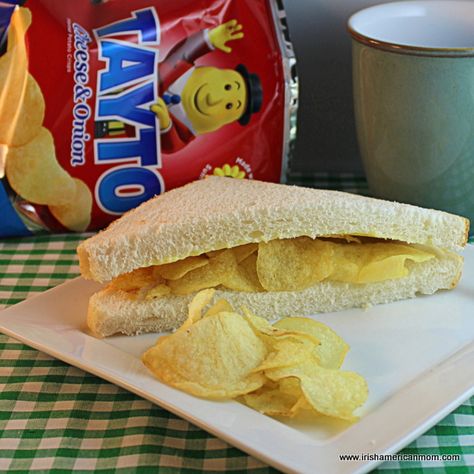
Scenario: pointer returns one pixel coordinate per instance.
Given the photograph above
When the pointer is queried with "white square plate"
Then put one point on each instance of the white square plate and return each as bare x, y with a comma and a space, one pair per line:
417, 356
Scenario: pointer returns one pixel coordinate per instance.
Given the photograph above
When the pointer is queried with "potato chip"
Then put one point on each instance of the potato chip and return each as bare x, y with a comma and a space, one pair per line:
287, 351
215, 253
276, 370
243, 251
208, 276
288, 265
330, 392
219, 307
222, 269
346, 268
243, 276
198, 303
195, 280
75, 215
212, 358
249, 269
158, 291
293, 264
237, 268
391, 266
34, 173
332, 348
263, 328
283, 398
302, 405
272, 402
285, 347
290, 385
13, 75
371, 262
385, 269
260, 325
176, 270
138, 279
345, 237
30, 116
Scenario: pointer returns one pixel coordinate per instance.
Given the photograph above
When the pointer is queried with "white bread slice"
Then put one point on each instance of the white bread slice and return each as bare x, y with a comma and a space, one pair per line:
113, 311
217, 213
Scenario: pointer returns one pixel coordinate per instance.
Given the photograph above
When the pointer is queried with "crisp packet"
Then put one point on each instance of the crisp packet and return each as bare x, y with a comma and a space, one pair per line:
104, 105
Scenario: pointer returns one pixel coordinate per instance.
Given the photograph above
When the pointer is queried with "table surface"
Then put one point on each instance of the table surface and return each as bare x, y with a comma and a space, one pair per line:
54, 417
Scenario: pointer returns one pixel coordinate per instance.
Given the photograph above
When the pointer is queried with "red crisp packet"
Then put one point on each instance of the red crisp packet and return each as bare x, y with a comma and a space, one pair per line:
106, 104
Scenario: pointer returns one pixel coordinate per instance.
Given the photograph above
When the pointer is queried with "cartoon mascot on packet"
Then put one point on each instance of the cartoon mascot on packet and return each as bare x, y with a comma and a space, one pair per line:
195, 100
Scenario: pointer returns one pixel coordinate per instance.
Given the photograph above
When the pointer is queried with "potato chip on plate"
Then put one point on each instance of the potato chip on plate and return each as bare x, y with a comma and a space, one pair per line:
212, 358
332, 348
272, 401
331, 392
221, 354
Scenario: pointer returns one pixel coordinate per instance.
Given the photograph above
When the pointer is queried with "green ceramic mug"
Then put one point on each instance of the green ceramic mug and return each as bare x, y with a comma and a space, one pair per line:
413, 73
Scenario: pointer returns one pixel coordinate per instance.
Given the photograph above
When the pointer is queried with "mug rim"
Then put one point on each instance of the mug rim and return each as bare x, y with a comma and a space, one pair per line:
403, 48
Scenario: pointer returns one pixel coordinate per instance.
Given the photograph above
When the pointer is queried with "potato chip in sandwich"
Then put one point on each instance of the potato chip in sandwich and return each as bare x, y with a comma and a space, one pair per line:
277, 250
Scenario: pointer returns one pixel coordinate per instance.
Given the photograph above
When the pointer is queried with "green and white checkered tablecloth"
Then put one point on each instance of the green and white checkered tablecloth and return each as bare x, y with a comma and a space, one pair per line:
57, 418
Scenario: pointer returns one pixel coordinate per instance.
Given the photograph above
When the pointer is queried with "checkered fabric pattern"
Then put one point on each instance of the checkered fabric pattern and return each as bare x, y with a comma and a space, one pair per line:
348, 182
57, 418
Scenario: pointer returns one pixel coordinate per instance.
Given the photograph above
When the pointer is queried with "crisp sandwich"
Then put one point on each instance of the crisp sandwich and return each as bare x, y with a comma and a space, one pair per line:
279, 250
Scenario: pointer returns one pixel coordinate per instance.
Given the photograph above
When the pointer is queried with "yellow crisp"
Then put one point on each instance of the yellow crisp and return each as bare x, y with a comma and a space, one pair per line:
293, 264
30, 166
135, 280
218, 307
222, 268
331, 349
242, 276
177, 270
371, 262
208, 276
287, 351
21, 101
212, 358
243, 251
276, 371
158, 291
76, 214
330, 392
199, 302
272, 401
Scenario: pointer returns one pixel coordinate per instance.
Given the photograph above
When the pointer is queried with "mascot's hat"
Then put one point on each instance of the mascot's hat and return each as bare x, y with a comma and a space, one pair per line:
254, 93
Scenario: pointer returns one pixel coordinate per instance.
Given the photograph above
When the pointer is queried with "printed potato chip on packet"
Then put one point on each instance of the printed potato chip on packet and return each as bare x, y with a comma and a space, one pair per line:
105, 104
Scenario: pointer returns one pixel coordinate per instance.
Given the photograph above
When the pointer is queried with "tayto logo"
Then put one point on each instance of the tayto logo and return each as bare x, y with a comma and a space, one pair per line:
126, 88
